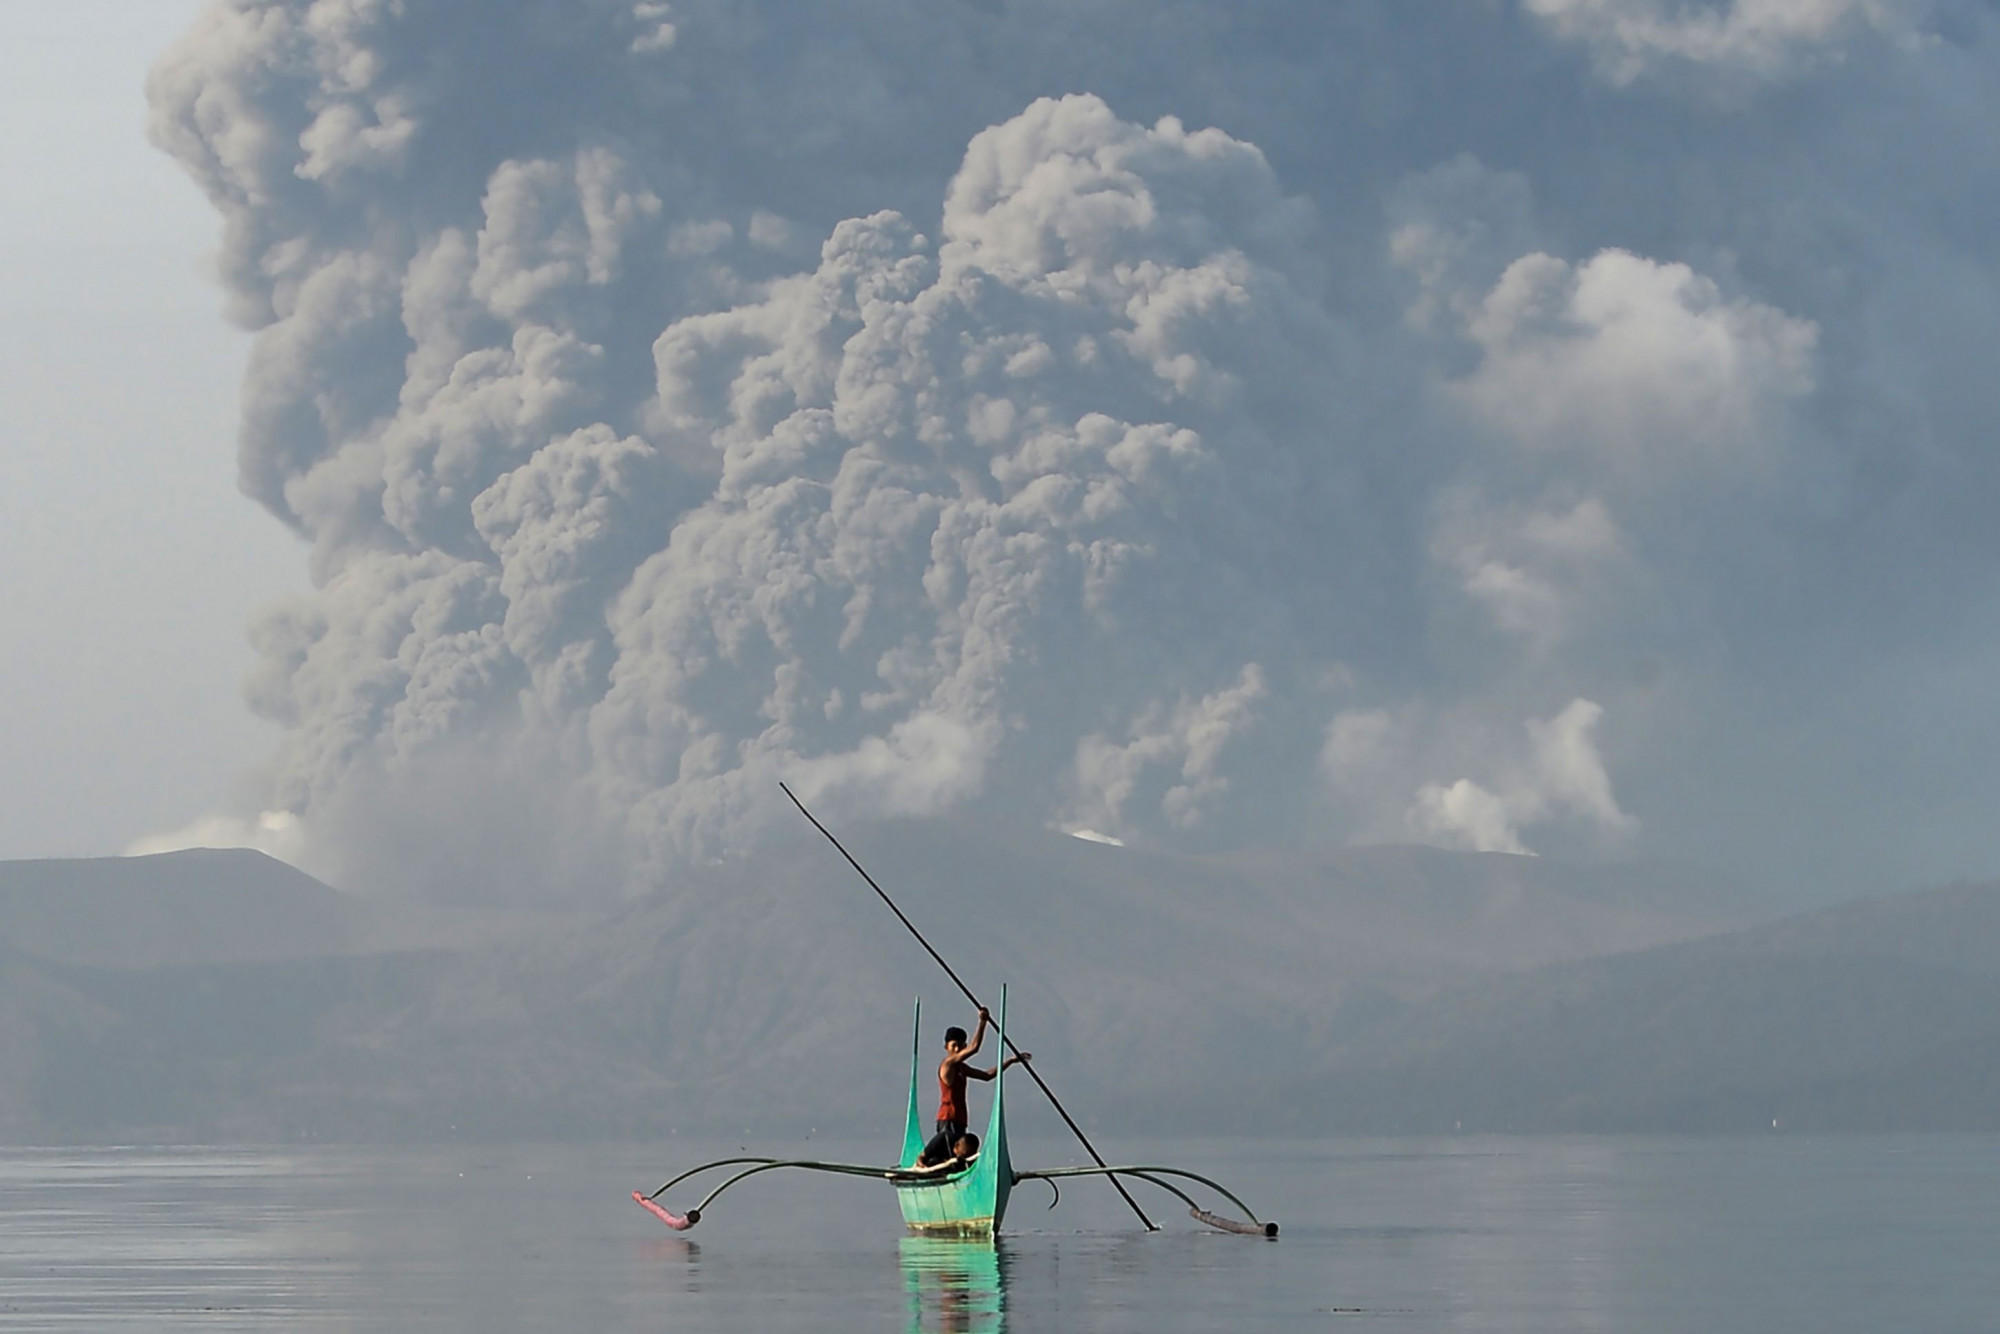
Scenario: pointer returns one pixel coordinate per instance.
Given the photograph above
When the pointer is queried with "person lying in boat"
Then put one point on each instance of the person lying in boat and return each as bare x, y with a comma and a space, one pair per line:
963, 1150
953, 1071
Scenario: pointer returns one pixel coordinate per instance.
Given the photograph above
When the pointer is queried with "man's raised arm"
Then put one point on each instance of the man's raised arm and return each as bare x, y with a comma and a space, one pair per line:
975, 1073
978, 1033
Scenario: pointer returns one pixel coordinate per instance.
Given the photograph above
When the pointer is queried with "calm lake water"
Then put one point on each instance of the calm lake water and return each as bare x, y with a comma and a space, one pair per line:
1717, 1236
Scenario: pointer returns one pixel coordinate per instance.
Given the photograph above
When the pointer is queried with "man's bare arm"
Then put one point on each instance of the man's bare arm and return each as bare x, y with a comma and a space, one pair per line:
972, 1073
972, 1047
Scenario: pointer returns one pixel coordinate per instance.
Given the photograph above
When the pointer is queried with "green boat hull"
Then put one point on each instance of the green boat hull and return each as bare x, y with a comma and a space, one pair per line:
972, 1203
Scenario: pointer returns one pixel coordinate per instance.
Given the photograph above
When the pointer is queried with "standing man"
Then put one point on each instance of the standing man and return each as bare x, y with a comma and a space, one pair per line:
953, 1071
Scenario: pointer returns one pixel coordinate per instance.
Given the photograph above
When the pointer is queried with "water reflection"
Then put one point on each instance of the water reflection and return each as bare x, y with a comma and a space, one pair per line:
955, 1286
678, 1256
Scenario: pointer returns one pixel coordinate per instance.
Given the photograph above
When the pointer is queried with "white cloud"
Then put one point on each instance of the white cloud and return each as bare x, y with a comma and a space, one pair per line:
274, 833
1359, 742
656, 29
1533, 569
1092, 836
1181, 748
1371, 760
1633, 362
1629, 38
1636, 369
1465, 815
927, 763
1455, 228
1566, 774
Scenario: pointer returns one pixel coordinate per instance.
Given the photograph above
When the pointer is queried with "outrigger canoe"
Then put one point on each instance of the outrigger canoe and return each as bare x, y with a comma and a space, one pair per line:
969, 1201
972, 1201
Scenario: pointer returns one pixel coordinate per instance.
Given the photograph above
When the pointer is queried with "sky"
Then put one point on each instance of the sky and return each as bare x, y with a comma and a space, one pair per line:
1535, 426
130, 562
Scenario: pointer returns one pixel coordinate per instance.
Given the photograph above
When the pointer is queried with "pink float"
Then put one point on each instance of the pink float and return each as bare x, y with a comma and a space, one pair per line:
672, 1220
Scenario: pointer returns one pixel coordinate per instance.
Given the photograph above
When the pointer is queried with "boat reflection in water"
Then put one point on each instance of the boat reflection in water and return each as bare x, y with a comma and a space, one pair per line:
956, 1286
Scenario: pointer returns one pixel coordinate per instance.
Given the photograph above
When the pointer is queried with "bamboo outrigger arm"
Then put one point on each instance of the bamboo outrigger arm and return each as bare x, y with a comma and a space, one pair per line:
1149, 1174
697, 1171
1152, 1175
681, 1222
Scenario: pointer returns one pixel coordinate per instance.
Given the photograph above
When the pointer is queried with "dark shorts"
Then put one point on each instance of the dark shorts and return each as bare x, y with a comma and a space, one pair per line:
939, 1148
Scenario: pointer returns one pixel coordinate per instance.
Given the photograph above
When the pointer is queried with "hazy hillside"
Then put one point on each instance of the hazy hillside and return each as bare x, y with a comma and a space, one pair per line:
224, 905
1879, 1015
221, 993
1373, 989
777, 991
199, 906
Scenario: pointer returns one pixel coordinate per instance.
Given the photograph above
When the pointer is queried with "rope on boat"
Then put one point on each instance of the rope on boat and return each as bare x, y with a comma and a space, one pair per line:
1152, 1175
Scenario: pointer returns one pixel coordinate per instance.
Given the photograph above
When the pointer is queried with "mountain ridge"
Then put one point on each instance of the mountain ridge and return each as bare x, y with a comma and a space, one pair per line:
1368, 989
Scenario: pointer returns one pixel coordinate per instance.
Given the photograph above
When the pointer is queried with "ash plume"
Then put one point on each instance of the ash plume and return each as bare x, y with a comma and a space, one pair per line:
1184, 425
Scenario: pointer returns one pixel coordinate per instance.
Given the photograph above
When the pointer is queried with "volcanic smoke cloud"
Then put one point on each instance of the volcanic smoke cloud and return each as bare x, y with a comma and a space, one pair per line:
1196, 425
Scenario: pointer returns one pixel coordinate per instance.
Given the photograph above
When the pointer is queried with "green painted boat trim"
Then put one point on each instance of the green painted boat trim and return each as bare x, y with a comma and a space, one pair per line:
974, 1202
913, 1128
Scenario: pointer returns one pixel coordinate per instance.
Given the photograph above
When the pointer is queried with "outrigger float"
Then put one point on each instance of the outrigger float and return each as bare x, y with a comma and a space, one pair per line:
968, 1202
